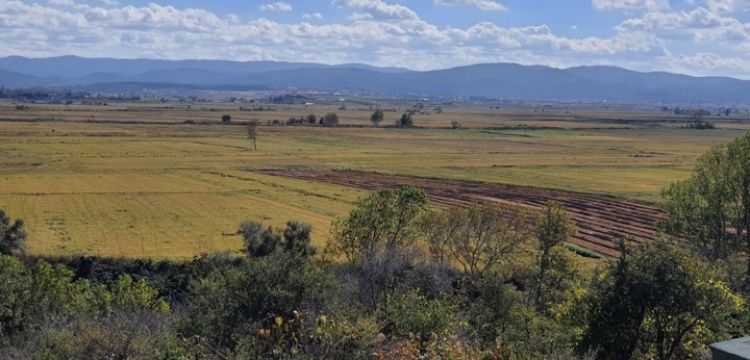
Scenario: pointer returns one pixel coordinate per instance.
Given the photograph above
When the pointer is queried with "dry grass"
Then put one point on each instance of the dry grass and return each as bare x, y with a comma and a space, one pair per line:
178, 190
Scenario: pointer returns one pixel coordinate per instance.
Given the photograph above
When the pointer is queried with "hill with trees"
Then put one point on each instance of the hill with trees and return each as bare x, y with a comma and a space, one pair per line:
497, 81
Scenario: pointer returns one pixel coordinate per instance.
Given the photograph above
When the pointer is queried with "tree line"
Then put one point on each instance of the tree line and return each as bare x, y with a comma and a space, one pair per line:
400, 279
331, 119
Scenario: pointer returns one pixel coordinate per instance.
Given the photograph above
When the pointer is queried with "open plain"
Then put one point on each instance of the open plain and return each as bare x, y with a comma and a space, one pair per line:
170, 181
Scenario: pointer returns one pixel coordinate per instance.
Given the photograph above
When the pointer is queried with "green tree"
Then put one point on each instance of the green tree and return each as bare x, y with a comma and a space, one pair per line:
405, 120
479, 237
12, 236
552, 229
377, 117
259, 241
711, 209
297, 239
226, 118
312, 119
383, 219
330, 119
660, 302
263, 241
494, 311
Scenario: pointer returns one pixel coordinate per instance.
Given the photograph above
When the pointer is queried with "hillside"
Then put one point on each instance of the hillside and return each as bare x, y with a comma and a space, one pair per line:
498, 81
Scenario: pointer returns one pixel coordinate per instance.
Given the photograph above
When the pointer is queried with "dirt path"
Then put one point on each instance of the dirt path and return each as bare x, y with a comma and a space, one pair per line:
600, 220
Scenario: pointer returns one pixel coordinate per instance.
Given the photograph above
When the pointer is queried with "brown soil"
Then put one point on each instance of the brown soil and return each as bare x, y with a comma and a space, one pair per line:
601, 220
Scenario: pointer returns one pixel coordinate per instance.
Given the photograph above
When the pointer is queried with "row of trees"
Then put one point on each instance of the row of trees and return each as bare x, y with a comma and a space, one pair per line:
405, 121
332, 119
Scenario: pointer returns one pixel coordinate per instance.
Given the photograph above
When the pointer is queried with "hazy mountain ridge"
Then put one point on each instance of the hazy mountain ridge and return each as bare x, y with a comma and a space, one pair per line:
502, 81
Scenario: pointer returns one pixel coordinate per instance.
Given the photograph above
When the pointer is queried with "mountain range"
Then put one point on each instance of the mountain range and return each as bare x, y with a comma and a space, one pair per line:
497, 81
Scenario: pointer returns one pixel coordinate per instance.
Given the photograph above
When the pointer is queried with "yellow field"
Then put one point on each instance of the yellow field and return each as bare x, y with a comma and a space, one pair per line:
158, 190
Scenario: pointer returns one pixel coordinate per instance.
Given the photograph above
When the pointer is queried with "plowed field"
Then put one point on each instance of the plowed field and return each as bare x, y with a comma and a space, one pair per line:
601, 220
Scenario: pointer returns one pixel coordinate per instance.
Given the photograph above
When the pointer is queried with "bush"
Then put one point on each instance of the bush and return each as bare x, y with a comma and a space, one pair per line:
12, 236
238, 301
409, 312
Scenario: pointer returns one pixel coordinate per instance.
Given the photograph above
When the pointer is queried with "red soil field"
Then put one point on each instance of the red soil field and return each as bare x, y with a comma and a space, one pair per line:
601, 220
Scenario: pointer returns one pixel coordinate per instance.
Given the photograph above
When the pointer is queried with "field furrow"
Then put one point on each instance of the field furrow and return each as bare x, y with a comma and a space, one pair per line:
601, 221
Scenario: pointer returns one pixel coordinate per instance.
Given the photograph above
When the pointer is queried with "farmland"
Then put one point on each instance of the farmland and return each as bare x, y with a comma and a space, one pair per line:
136, 180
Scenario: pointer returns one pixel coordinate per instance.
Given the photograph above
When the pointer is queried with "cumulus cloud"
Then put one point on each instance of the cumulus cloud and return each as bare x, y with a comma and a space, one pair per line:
379, 9
316, 15
62, 2
703, 63
378, 33
699, 24
277, 6
486, 5
649, 5
728, 6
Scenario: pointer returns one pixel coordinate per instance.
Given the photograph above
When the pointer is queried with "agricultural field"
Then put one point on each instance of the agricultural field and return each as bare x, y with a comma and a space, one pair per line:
170, 181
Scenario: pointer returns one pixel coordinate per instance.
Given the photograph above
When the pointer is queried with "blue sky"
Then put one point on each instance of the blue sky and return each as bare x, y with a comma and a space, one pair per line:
696, 37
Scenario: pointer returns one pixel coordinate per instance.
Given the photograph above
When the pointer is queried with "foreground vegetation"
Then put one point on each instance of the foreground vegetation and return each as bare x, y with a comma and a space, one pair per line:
397, 281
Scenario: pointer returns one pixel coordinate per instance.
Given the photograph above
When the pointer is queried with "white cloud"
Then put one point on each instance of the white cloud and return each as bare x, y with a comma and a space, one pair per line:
316, 15
377, 33
487, 5
379, 9
699, 24
703, 62
172, 33
62, 2
728, 6
277, 6
649, 5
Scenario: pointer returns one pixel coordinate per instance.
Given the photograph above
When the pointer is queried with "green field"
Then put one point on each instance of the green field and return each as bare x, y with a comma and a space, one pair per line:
158, 187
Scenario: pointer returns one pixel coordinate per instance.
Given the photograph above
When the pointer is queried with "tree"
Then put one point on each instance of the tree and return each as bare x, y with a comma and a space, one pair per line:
252, 131
478, 237
226, 118
330, 119
377, 117
405, 120
312, 119
259, 241
12, 236
297, 238
711, 209
552, 228
263, 241
658, 302
698, 123
383, 219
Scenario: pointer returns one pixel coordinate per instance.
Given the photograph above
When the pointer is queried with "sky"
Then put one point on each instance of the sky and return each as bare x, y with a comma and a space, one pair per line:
695, 37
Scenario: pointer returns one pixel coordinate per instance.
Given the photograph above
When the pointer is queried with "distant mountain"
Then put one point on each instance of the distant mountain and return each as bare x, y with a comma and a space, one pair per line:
500, 81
